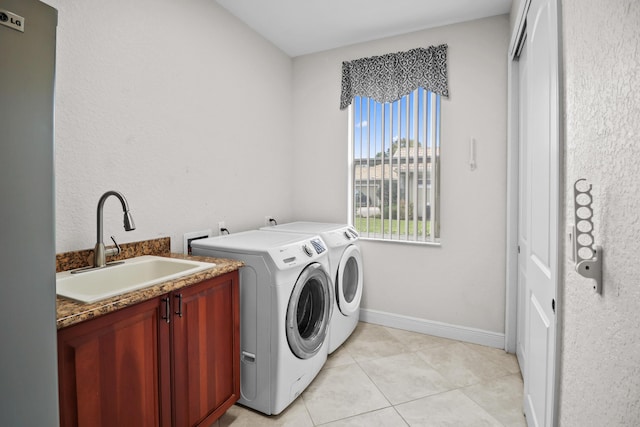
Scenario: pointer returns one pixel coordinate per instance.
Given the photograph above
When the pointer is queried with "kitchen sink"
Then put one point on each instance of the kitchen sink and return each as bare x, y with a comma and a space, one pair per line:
134, 273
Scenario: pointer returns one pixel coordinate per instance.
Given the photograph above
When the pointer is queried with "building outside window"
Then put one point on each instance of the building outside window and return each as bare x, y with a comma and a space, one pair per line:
395, 158
394, 143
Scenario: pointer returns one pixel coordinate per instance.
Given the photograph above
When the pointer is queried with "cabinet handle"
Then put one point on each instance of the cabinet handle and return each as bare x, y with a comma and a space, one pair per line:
179, 312
167, 310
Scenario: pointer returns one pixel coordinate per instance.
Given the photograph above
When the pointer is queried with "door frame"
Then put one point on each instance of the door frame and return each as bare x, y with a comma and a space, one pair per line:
511, 296
513, 156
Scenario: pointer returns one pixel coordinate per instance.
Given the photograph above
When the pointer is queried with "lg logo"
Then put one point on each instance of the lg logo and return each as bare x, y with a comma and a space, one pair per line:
11, 20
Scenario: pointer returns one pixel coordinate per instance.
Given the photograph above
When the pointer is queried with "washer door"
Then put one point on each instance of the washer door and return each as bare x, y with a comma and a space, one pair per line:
308, 312
349, 281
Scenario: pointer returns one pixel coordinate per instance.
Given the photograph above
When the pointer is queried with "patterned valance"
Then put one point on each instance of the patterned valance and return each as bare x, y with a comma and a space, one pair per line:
388, 78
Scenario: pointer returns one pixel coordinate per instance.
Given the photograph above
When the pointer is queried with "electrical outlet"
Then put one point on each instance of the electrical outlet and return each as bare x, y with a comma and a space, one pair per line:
222, 227
194, 235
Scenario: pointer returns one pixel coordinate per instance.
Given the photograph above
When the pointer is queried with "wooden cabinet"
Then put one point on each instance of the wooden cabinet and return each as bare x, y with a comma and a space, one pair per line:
108, 369
170, 361
206, 352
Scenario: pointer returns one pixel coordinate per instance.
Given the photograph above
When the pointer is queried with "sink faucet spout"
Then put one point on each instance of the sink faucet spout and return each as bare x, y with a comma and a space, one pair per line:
100, 252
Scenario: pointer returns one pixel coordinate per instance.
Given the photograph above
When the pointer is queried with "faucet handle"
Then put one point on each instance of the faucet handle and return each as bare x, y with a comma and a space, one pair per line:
116, 250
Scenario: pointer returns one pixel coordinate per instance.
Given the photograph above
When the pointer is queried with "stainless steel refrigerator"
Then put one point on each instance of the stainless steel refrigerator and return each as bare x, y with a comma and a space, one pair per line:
28, 365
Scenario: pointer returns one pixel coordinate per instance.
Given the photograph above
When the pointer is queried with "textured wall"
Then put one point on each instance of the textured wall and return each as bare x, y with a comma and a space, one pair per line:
462, 282
189, 113
176, 104
600, 368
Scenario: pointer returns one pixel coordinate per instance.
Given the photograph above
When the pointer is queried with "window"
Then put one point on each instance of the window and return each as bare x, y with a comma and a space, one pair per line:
394, 142
395, 167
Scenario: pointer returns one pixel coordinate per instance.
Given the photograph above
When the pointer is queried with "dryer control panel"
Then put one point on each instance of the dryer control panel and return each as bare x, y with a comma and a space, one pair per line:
342, 237
351, 234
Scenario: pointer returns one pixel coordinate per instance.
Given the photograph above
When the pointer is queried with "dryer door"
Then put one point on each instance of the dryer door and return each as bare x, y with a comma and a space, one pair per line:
308, 311
349, 281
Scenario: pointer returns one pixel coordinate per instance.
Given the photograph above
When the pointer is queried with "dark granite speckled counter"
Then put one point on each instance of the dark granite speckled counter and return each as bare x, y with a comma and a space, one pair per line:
70, 312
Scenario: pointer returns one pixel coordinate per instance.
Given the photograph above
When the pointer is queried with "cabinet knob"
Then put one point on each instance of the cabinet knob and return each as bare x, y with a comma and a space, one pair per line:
179, 312
167, 310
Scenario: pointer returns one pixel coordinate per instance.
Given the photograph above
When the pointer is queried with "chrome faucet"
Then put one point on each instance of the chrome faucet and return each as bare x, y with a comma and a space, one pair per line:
100, 252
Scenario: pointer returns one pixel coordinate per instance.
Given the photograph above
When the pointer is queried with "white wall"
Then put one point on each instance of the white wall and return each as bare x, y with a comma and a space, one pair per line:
179, 106
462, 282
600, 368
190, 116
600, 349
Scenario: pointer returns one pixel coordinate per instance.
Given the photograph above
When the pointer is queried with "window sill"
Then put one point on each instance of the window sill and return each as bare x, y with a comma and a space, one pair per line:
406, 242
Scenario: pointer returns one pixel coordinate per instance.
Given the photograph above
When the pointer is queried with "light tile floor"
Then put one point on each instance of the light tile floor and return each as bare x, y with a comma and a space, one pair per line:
388, 377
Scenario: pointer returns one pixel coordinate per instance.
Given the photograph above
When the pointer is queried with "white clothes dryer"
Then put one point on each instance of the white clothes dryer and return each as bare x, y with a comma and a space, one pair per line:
285, 308
345, 263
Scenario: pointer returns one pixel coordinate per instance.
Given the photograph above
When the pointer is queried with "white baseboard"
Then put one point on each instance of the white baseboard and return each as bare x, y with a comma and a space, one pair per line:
429, 327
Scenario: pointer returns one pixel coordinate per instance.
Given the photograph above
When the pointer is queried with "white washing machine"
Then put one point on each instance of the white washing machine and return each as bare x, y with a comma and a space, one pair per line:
285, 308
345, 267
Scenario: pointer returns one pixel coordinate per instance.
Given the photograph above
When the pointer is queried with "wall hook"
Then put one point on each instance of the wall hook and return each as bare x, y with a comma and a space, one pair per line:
588, 255
472, 154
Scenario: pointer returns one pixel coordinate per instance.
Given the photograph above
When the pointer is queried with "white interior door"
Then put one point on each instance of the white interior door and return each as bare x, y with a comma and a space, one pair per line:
524, 195
540, 199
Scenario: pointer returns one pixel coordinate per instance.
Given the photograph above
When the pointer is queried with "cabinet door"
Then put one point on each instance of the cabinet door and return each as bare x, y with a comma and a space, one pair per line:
206, 350
109, 369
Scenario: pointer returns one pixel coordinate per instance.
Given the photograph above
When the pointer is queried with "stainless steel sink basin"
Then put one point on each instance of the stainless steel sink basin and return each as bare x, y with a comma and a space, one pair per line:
133, 274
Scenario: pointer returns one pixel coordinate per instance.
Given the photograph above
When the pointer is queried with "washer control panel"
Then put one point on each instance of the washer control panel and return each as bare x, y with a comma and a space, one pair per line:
318, 245
307, 250
303, 251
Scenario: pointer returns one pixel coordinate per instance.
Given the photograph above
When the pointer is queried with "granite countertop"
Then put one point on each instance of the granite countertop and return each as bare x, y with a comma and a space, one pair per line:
70, 312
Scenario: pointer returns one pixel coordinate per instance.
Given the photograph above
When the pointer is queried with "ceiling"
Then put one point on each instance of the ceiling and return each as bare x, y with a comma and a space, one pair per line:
300, 27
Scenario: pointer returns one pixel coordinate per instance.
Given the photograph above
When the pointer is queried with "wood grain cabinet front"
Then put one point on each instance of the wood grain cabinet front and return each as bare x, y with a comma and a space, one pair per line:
170, 361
